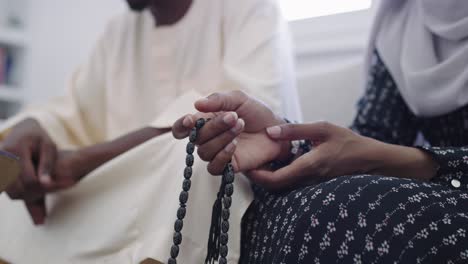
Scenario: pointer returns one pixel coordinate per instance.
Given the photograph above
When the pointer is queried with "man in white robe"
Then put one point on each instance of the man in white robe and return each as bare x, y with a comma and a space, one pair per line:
100, 158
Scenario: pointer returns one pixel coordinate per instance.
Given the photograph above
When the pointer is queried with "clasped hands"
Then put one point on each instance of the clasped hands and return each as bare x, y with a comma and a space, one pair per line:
245, 131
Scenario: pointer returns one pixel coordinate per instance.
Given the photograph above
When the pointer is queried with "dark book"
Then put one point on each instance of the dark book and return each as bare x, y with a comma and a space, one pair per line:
9, 169
6, 66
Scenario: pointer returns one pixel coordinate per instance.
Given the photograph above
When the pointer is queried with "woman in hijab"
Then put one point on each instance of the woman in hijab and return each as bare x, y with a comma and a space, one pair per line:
399, 203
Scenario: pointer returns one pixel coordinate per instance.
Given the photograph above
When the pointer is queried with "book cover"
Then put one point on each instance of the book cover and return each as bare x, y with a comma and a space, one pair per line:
8, 65
10, 169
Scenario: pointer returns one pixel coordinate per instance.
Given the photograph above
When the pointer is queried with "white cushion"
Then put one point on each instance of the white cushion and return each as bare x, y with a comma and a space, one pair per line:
331, 96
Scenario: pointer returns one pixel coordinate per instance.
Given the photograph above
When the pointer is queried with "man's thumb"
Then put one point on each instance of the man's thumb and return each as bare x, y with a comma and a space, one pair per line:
318, 131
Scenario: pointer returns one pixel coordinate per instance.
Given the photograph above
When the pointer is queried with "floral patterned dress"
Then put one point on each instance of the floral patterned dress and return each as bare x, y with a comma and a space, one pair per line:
368, 218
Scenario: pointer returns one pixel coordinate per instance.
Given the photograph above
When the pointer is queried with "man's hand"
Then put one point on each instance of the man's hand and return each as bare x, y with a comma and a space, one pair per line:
38, 154
45, 170
69, 170
237, 131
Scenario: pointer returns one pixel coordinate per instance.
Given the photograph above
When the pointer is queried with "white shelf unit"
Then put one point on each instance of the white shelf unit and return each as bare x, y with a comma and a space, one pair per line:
11, 94
13, 39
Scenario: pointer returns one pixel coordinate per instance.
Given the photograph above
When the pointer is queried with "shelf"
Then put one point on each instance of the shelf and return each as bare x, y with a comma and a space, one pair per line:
11, 94
12, 37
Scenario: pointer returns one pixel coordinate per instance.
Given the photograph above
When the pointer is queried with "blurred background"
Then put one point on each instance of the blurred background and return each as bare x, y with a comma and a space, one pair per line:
42, 42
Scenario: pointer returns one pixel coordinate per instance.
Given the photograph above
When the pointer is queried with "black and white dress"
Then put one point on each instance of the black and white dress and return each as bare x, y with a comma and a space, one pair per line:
372, 219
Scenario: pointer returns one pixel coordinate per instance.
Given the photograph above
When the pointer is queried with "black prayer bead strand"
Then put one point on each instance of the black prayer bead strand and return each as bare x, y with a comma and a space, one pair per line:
228, 178
183, 197
227, 181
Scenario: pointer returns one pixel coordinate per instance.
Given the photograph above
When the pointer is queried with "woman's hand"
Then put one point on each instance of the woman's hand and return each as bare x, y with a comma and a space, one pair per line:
239, 135
339, 151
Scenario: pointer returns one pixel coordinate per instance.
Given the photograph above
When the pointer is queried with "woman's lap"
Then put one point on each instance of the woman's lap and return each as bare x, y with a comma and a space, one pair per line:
352, 218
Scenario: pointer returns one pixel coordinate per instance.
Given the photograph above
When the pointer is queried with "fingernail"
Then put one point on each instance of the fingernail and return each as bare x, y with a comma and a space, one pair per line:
239, 126
203, 100
274, 132
187, 122
231, 146
45, 178
229, 118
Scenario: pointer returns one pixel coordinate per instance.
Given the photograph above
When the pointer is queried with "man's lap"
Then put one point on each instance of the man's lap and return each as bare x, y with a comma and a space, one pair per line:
123, 212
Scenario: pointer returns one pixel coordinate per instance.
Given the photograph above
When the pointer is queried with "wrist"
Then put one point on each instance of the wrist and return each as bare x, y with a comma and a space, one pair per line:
401, 161
285, 156
82, 163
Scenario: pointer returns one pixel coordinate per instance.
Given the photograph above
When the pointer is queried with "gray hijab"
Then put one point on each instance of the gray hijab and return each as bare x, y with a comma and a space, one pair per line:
424, 44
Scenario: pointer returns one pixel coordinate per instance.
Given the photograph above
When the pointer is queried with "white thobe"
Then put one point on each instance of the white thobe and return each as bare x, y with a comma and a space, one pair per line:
140, 75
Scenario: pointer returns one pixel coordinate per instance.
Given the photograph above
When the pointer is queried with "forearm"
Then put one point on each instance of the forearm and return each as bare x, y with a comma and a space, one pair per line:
96, 155
405, 162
